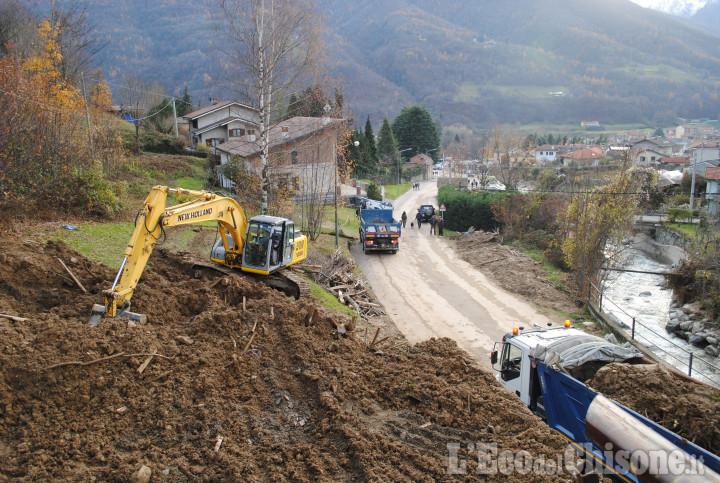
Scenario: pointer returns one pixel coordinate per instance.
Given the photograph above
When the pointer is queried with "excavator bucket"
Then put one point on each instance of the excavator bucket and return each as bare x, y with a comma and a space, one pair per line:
99, 311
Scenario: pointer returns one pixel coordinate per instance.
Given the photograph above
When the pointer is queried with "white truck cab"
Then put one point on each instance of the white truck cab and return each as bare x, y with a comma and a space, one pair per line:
517, 356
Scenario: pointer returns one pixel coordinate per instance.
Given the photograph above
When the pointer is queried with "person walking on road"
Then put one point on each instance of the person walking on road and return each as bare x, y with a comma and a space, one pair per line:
419, 218
433, 222
403, 218
441, 225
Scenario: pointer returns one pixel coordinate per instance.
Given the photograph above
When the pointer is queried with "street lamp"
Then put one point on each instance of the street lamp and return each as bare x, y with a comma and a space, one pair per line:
356, 144
398, 168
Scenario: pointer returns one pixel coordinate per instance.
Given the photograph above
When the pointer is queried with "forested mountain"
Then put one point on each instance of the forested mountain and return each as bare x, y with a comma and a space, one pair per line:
472, 61
708, 17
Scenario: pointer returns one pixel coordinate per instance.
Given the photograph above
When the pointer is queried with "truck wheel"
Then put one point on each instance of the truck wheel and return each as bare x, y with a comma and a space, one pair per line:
394, 252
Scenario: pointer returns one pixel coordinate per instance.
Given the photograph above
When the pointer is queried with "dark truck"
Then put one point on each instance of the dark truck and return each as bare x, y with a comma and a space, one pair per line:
379, 230
427, 212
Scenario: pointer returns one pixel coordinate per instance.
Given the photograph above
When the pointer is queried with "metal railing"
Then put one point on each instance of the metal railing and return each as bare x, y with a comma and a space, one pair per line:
691, 361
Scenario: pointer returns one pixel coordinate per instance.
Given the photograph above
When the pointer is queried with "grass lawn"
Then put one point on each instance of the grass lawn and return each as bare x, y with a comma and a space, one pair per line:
100, 242
688, 229
393, 191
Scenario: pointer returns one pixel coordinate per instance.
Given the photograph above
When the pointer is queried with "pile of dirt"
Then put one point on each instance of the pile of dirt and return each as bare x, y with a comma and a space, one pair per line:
512, 270
687, 407
241, 386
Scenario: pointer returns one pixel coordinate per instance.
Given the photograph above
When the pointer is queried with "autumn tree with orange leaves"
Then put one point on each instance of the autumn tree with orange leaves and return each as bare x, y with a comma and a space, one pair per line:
46, 162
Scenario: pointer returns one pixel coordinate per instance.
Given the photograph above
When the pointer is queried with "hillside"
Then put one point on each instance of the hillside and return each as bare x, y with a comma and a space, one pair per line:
240, 388
473, 62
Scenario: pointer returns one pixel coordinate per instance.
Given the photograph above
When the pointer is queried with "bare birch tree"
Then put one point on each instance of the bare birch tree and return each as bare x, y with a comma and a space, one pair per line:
269, 47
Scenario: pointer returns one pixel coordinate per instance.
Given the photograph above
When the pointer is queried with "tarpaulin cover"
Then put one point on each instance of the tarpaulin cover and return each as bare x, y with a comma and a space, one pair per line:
575, 350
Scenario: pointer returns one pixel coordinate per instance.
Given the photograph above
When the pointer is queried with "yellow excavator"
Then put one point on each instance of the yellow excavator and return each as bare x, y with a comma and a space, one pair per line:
264, 245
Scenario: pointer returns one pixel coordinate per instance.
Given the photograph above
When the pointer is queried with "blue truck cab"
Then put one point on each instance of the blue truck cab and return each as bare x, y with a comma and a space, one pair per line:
544, 367
379, 231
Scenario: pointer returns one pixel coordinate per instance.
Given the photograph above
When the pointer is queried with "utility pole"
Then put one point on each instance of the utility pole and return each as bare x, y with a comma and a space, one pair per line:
175, 116
692, 183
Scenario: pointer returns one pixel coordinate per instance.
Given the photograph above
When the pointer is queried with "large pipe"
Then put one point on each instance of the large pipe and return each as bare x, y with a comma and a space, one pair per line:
640, 449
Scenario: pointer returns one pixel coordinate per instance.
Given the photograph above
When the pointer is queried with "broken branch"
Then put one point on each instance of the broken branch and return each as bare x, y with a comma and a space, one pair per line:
72, 275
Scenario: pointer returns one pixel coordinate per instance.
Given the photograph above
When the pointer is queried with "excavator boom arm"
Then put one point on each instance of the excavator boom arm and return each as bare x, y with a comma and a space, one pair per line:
149, 226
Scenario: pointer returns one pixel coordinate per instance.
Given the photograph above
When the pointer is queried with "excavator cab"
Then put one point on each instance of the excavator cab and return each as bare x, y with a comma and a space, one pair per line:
269, 244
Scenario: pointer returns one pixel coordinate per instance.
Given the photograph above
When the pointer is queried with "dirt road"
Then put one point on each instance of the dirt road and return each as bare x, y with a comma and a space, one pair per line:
429, 292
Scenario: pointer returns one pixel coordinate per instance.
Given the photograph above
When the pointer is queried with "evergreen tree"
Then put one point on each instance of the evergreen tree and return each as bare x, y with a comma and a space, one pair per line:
294, 107
370, 150
414, 128
386, 145
457, 138
184, 105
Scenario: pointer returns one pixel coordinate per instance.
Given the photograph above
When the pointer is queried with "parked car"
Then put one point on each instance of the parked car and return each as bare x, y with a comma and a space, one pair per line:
427, 211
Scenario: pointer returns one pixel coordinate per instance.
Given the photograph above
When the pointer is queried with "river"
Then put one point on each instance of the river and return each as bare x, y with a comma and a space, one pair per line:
643, 296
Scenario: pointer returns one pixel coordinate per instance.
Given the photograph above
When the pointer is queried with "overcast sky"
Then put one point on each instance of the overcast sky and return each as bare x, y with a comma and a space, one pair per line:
655, 3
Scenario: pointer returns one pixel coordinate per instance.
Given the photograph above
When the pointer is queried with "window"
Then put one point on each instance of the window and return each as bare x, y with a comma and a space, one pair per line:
511, 361
236, 133
294, 157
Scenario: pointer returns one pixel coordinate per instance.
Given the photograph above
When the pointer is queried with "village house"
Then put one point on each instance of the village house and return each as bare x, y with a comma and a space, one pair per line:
645, 157
660, 145
704, 153
422, 160
674, 163
695, 130
583, 158
222, 122
301, 156
712, 191
546, 154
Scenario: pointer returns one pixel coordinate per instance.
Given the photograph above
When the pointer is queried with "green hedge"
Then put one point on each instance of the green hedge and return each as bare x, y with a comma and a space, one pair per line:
465, 209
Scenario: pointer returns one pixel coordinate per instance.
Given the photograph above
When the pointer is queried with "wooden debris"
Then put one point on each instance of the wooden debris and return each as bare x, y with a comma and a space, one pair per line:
309, 316
374, 338
147, 361
13, 318
94, 361
336, 275
218, 443
247, 346
72, 275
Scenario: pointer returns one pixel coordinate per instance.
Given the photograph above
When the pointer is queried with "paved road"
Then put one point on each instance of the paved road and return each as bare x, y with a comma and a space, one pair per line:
429, 292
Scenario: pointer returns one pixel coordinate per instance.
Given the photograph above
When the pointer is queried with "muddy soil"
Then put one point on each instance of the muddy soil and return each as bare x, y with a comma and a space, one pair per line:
232, 359
684, 406
512, 270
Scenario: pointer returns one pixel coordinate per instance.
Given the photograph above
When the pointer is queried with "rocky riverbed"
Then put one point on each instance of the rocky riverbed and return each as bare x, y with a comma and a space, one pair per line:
689, 323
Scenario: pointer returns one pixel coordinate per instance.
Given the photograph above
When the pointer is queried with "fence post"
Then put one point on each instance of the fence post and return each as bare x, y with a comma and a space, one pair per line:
632, 337
600, 297
690, 364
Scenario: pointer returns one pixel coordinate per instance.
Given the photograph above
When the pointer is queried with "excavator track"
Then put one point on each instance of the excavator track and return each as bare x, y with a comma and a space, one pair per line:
285, 280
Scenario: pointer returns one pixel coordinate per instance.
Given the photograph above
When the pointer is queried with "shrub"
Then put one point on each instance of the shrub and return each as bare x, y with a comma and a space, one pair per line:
373, 192
466, 209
